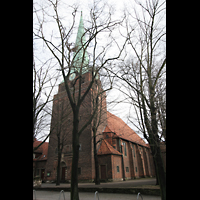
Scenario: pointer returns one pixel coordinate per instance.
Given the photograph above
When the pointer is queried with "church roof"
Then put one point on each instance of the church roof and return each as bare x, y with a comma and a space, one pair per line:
106, 148
43, 150
122, 130
79, 49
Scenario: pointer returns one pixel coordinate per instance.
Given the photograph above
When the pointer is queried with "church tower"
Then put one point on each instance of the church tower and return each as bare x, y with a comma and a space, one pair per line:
62, 119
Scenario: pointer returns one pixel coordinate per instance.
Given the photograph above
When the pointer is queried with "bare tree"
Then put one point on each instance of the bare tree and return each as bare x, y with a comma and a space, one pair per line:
143, 77
43, 84
76, 65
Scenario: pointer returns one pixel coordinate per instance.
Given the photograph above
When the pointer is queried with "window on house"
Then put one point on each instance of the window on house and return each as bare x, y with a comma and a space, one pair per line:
117, 168
127, 169
136, 169
37, 155
120, 149
133, 150
125, 152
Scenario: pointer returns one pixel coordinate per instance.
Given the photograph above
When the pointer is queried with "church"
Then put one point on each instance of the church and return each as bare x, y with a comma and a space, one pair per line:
121, 153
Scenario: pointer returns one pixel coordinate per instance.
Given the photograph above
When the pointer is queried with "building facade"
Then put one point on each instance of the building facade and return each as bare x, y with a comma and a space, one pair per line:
40, 159
61, 123
122, 154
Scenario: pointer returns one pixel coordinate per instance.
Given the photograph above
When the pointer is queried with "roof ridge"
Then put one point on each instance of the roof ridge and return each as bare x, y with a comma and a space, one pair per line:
123, 130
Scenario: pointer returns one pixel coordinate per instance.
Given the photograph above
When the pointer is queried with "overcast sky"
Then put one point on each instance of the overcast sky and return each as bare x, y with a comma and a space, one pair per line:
41, 52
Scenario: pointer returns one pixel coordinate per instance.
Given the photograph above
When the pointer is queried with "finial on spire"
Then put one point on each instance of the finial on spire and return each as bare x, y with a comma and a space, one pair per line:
81, 13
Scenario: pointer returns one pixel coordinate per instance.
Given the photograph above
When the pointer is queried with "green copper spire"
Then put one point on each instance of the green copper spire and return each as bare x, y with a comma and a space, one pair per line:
80, 44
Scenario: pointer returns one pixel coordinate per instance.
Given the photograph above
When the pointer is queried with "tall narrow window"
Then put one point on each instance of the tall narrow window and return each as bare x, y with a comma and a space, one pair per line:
117, 168
133, 150
120, 148
125, 152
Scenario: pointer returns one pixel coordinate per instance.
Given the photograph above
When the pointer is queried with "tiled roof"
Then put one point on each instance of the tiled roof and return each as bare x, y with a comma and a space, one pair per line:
43, 149
122, 130
35, 144
106, 148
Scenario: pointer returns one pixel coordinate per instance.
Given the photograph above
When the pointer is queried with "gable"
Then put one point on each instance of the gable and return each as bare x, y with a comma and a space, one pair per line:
106, 148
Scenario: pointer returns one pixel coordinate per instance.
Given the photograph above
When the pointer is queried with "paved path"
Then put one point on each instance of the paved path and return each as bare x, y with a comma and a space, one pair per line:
120, 184
145, 186
54, 195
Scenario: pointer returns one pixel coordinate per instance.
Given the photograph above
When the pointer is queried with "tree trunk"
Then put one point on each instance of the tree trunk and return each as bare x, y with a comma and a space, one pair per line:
159, 167
154, 142
74, 173
58, 165
157, 183
161, 173
97, 180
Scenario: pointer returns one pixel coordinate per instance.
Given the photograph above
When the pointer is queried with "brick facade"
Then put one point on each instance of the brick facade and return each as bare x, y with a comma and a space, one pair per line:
86, 155
40, 159
133, 159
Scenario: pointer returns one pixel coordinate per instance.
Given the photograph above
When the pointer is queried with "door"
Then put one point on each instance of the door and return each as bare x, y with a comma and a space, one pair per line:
63, 174
42, 174
103, 172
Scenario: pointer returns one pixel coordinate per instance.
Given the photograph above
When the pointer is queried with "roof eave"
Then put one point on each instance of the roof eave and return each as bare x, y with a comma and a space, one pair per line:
109, 154
144, 145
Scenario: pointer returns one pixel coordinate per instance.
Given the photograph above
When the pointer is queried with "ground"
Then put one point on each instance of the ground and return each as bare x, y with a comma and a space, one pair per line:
110, 190
54, 195
144, 182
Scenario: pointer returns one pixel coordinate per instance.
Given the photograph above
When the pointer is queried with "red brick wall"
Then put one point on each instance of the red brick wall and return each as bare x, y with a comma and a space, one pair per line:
140, 164
111, 162
135, 162
142, 158
86, 156
116, 161
126, 159
105, 160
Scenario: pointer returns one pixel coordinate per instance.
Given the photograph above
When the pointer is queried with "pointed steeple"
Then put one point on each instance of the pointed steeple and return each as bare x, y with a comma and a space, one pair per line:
79, 47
